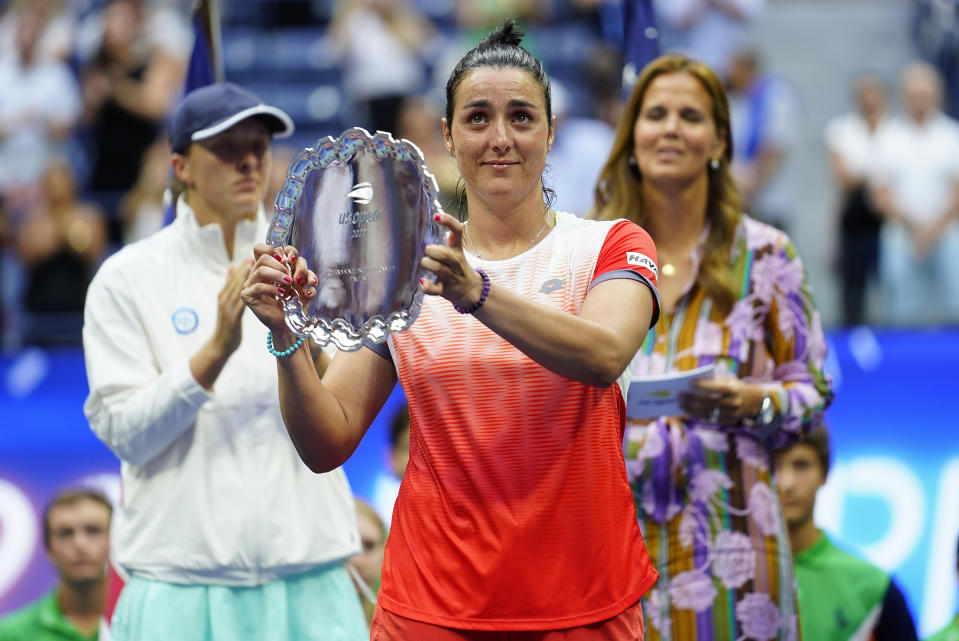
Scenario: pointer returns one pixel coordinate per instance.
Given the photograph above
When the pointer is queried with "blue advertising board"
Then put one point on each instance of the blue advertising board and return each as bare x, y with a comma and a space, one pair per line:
892, 495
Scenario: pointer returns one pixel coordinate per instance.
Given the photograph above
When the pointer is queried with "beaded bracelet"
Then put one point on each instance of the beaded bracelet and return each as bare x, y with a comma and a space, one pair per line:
482, 298
289, 350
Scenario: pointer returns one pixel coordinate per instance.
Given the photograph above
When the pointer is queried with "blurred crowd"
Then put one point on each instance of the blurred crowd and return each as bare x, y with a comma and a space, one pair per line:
82, 157
88, 86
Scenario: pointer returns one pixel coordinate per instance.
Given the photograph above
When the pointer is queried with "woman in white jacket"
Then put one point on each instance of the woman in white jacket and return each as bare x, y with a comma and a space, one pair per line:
224, 532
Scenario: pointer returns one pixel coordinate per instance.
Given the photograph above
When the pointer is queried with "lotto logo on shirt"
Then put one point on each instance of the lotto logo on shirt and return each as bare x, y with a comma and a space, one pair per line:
642, 260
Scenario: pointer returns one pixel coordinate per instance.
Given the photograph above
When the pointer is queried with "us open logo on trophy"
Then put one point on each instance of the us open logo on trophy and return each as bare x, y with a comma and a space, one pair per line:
359, 208
362, 193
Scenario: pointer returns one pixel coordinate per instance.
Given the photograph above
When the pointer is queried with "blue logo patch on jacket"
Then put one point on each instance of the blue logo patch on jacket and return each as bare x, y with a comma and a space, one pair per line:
185, 320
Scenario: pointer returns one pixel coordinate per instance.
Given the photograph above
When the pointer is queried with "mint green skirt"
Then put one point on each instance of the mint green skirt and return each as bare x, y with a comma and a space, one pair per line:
321, 604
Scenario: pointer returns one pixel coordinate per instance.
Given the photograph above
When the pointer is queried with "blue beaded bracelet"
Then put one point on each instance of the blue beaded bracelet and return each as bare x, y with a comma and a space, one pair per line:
482, 298
289, 350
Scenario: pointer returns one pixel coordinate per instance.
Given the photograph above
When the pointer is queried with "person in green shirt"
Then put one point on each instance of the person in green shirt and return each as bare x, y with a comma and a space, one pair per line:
951, 631
76, 535
841, 597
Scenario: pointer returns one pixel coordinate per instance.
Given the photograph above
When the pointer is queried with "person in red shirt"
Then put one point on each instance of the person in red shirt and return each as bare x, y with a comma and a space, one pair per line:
514, 518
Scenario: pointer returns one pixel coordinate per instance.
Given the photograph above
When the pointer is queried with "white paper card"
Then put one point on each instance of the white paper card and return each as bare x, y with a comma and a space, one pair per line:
650, 397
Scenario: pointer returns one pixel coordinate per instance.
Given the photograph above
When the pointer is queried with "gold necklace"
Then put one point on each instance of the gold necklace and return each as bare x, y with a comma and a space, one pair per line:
466, 235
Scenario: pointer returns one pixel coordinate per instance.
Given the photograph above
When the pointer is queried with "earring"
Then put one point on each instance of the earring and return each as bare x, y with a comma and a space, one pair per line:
714, 164
631, 159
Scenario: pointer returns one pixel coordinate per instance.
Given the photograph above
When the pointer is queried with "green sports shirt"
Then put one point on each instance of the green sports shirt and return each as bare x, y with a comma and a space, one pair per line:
42, 620
843, 597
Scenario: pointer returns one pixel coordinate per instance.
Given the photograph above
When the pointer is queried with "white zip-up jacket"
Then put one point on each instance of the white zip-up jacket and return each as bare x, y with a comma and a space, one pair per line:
213, 491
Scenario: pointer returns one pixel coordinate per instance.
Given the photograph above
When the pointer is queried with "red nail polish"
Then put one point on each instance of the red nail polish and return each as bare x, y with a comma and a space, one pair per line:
287, 279
299, 279
436, 217
293, 257
422, 281
313, 281
278, 257
280, 289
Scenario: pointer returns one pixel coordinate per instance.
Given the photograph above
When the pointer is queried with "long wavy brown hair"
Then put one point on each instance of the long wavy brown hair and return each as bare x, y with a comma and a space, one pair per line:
618, 192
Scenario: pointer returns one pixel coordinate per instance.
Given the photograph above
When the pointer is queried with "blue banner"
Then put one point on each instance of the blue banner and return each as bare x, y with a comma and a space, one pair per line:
891, 495
641, 38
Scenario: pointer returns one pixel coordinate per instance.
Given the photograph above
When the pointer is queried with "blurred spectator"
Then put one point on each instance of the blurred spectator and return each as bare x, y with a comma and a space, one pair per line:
143, 208
583, 139
420, 122
367, 565
850, 141
387, 488
76, 535
287, 13
39, 105
478, 17
55, 40
129, 87
936, 32
603, 13
765, 118
840, 595
951, 631
580, 148
60, 243
473, 20
917, 155
602, 73
381, 44
707, 30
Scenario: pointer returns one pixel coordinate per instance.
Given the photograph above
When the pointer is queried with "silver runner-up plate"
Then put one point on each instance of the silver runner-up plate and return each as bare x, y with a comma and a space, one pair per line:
360, 209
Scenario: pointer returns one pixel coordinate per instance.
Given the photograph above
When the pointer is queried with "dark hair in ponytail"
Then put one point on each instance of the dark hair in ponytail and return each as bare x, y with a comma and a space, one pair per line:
501, 48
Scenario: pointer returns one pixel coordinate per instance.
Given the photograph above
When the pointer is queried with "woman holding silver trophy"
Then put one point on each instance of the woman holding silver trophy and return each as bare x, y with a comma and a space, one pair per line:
514, 514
